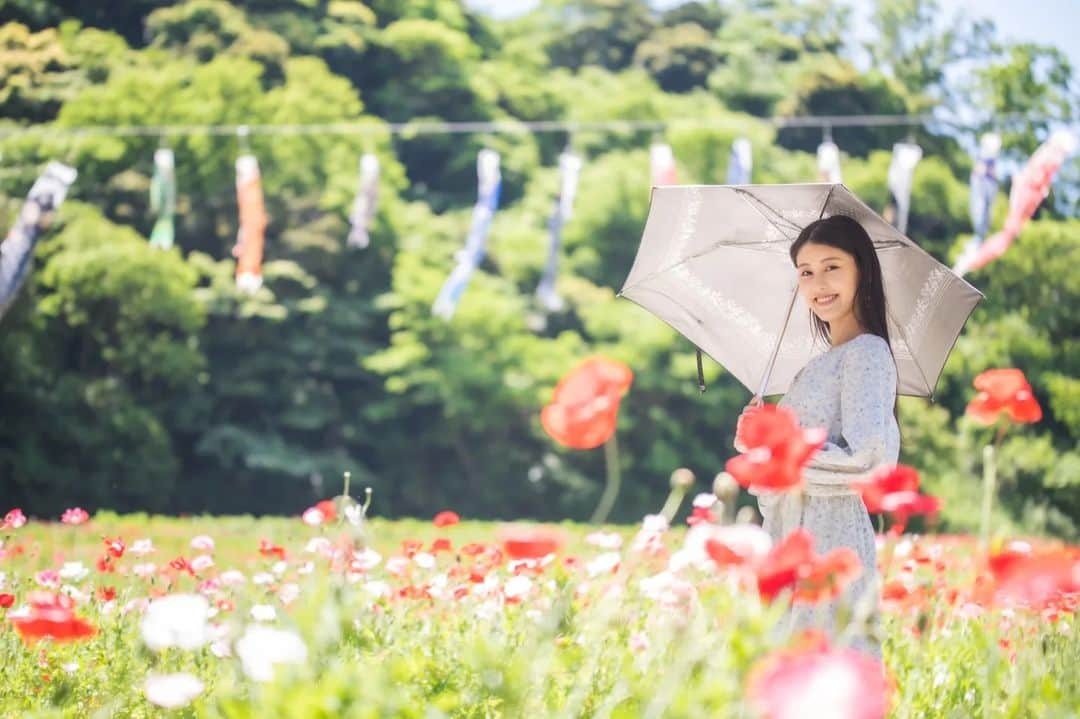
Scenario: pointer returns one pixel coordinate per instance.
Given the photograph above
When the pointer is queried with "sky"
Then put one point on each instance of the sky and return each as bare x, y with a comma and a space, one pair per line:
1053, 22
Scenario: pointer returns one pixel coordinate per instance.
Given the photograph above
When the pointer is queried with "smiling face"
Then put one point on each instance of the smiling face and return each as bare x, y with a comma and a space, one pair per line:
828, 277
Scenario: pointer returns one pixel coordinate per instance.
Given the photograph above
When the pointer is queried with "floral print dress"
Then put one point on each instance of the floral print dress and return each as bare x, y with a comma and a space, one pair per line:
850, 391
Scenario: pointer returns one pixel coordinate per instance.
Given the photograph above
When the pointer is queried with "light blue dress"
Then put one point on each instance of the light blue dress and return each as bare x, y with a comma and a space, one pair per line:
850, 391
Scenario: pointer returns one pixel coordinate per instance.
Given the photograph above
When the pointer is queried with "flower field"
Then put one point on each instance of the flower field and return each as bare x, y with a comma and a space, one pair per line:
329, 614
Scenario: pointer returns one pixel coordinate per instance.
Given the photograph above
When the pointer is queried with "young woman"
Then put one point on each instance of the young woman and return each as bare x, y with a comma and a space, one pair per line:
850, 390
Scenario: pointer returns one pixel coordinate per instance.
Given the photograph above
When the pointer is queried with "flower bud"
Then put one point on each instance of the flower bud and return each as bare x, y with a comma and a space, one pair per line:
725, 488
682, 479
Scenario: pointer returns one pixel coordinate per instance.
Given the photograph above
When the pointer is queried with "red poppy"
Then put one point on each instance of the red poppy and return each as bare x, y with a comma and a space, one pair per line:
530, 542
777, 449
441, 544
1003, 391
853, 684
106, 594
115, 547
410, 547
781, 567
6, 600
895, 490
269, 549
446, 519
182, 565
737, 545
1036, 580
75, 515
473, 549
792, 564
328, 509
827, 576
585, 406
51, 615
700, 515
905, 504
887, 480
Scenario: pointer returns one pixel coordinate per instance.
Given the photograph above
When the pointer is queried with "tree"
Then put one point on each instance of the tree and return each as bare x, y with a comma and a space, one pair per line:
910, 48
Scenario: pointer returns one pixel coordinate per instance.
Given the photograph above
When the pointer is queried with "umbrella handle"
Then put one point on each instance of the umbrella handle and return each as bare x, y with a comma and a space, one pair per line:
776, 349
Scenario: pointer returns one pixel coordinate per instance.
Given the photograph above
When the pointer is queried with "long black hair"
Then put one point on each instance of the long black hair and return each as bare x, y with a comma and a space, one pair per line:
845, 233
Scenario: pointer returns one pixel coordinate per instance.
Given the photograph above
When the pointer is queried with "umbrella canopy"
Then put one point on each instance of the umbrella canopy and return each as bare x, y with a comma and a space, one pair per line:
713, 263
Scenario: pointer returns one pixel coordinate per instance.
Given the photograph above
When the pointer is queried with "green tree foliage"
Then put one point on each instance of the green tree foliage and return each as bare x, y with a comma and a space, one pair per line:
137, 378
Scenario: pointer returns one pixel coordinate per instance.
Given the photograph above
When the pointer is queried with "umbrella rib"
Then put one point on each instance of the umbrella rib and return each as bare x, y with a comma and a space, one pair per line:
825, 205
743, 194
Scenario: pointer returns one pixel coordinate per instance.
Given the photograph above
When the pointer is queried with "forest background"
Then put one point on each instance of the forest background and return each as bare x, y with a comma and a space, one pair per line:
136, 379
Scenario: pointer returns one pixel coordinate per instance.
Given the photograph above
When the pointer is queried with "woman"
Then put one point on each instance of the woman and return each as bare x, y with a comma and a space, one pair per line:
850, 390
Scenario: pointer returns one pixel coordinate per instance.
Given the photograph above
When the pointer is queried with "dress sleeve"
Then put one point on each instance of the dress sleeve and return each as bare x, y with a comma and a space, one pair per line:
868, 427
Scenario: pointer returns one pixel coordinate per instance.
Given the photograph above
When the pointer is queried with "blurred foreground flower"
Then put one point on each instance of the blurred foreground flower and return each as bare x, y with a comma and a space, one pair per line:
176, 620
894, 490
776, 449
838, 683
261, 648
172, 691
792, 564
50, 615
1034, 580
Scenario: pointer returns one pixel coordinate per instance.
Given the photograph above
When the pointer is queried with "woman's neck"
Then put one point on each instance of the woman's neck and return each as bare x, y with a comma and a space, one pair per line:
845, 330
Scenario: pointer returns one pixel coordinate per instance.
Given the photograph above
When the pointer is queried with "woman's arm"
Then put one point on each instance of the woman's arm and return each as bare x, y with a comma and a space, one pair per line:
867, 396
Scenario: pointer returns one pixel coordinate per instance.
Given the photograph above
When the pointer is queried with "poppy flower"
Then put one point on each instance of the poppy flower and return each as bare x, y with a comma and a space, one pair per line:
777, 449
1003, 391
886, 481
737, 544
813, 578
115, 547
75, 515
1033, 579
51, 615
269, 549
835, 681
827, 576
328, 509
780, 568
585, 406
6, 600
13, 519
530, 542
894, 490
446, 519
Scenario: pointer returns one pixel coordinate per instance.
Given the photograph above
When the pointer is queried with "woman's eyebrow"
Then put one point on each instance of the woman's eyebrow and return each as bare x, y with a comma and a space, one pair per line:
825, 259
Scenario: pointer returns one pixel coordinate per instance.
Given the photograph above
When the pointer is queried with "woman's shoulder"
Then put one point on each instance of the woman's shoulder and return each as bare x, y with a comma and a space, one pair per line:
869, 349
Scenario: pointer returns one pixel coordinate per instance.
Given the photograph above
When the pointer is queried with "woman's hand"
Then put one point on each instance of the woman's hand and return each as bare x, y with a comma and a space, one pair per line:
752, 405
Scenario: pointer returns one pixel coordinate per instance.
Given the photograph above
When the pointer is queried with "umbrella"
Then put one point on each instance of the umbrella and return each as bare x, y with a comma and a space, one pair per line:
713, 263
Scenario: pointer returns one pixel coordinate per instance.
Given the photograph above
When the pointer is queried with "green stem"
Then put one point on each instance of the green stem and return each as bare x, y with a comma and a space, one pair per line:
989, 489
611, 488
345, 491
